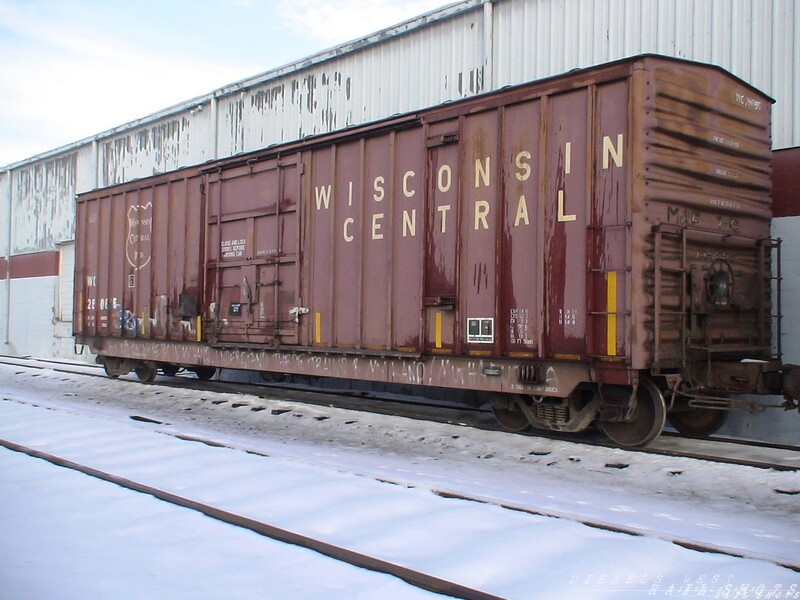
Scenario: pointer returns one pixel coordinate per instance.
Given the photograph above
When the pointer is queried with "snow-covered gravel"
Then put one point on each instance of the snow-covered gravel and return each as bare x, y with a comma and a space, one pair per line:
324, 471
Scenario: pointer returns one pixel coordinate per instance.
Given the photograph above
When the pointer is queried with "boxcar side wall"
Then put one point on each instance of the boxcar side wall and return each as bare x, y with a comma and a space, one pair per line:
561, 232
496, 211
139, 257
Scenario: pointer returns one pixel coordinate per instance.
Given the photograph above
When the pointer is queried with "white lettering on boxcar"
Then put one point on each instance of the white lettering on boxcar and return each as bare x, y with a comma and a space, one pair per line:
481, 212
482, 170
345, 230
612, 152
323, 193
410, 223
522, 212
443, 211
444, 178
562, 217
748, 102
524, 168
232, 248
376, 226
378, 187
408, 193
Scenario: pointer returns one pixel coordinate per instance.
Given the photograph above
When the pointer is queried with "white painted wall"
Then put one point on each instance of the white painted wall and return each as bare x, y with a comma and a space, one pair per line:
31, 327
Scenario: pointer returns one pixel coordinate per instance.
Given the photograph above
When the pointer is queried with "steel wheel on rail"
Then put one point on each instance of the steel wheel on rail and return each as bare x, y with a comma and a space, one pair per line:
170, 370
646, 423
697, 422
204, 373
508, 413
146, 373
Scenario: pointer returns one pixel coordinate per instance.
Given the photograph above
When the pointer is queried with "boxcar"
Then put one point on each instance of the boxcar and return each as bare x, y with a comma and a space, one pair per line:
592, 248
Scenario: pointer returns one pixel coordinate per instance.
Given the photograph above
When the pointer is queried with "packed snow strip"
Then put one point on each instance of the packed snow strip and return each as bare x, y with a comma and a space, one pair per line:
504, 552
733, 508
64, 535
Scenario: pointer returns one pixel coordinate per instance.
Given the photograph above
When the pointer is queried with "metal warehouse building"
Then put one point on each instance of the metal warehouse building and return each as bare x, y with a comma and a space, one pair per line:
458, 51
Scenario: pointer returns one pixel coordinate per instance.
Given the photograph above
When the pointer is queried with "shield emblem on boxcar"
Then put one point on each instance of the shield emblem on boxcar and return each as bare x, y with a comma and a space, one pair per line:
139, 235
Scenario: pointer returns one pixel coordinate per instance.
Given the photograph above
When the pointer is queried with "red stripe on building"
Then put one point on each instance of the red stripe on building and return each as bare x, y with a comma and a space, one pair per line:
786, 182
39, 264
3, 268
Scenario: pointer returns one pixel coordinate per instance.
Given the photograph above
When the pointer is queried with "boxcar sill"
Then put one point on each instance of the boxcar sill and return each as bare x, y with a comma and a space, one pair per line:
320, 350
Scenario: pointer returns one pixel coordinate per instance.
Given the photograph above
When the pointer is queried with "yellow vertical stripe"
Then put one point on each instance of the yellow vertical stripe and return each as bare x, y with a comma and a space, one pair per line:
199, 328
144, 323
611, 308
438, 330
318, 328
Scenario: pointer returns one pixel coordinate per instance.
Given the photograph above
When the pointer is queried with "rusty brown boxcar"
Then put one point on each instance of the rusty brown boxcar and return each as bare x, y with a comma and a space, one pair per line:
589, 248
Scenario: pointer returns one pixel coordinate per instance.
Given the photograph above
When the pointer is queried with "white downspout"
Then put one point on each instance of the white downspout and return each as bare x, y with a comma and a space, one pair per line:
488, 45
9, 188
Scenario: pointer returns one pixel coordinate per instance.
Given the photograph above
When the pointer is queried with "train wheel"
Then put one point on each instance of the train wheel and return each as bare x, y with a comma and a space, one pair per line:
647, 422
273, 377
205, 373
508, 414
115, 367
170, 370
698, 422
146, 373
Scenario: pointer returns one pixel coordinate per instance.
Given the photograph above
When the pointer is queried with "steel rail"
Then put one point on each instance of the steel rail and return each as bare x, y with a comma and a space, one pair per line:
290, 394
410, 576
413, 577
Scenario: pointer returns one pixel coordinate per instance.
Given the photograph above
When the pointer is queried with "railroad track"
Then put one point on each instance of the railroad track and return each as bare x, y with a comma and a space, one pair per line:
411, 576
779, 457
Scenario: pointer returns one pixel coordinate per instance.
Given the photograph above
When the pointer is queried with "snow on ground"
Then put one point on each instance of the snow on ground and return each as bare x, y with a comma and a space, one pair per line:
323, 472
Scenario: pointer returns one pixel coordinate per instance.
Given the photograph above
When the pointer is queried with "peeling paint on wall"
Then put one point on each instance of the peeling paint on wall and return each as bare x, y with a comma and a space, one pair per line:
162, 146
43, 204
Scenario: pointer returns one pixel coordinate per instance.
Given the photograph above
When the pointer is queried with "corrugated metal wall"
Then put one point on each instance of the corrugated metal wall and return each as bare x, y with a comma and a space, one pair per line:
458, 51
754, 39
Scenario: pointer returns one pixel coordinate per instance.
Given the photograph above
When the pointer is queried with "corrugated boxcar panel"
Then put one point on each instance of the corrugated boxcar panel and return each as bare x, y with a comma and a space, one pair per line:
378, 230
42, 204
481, 206
521, 305
365, 227
177, 259
138, 252
348, 246
609, 232
407, 194
566, 204
320, 232
444, 216
114, 219
78, 292
162, 269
